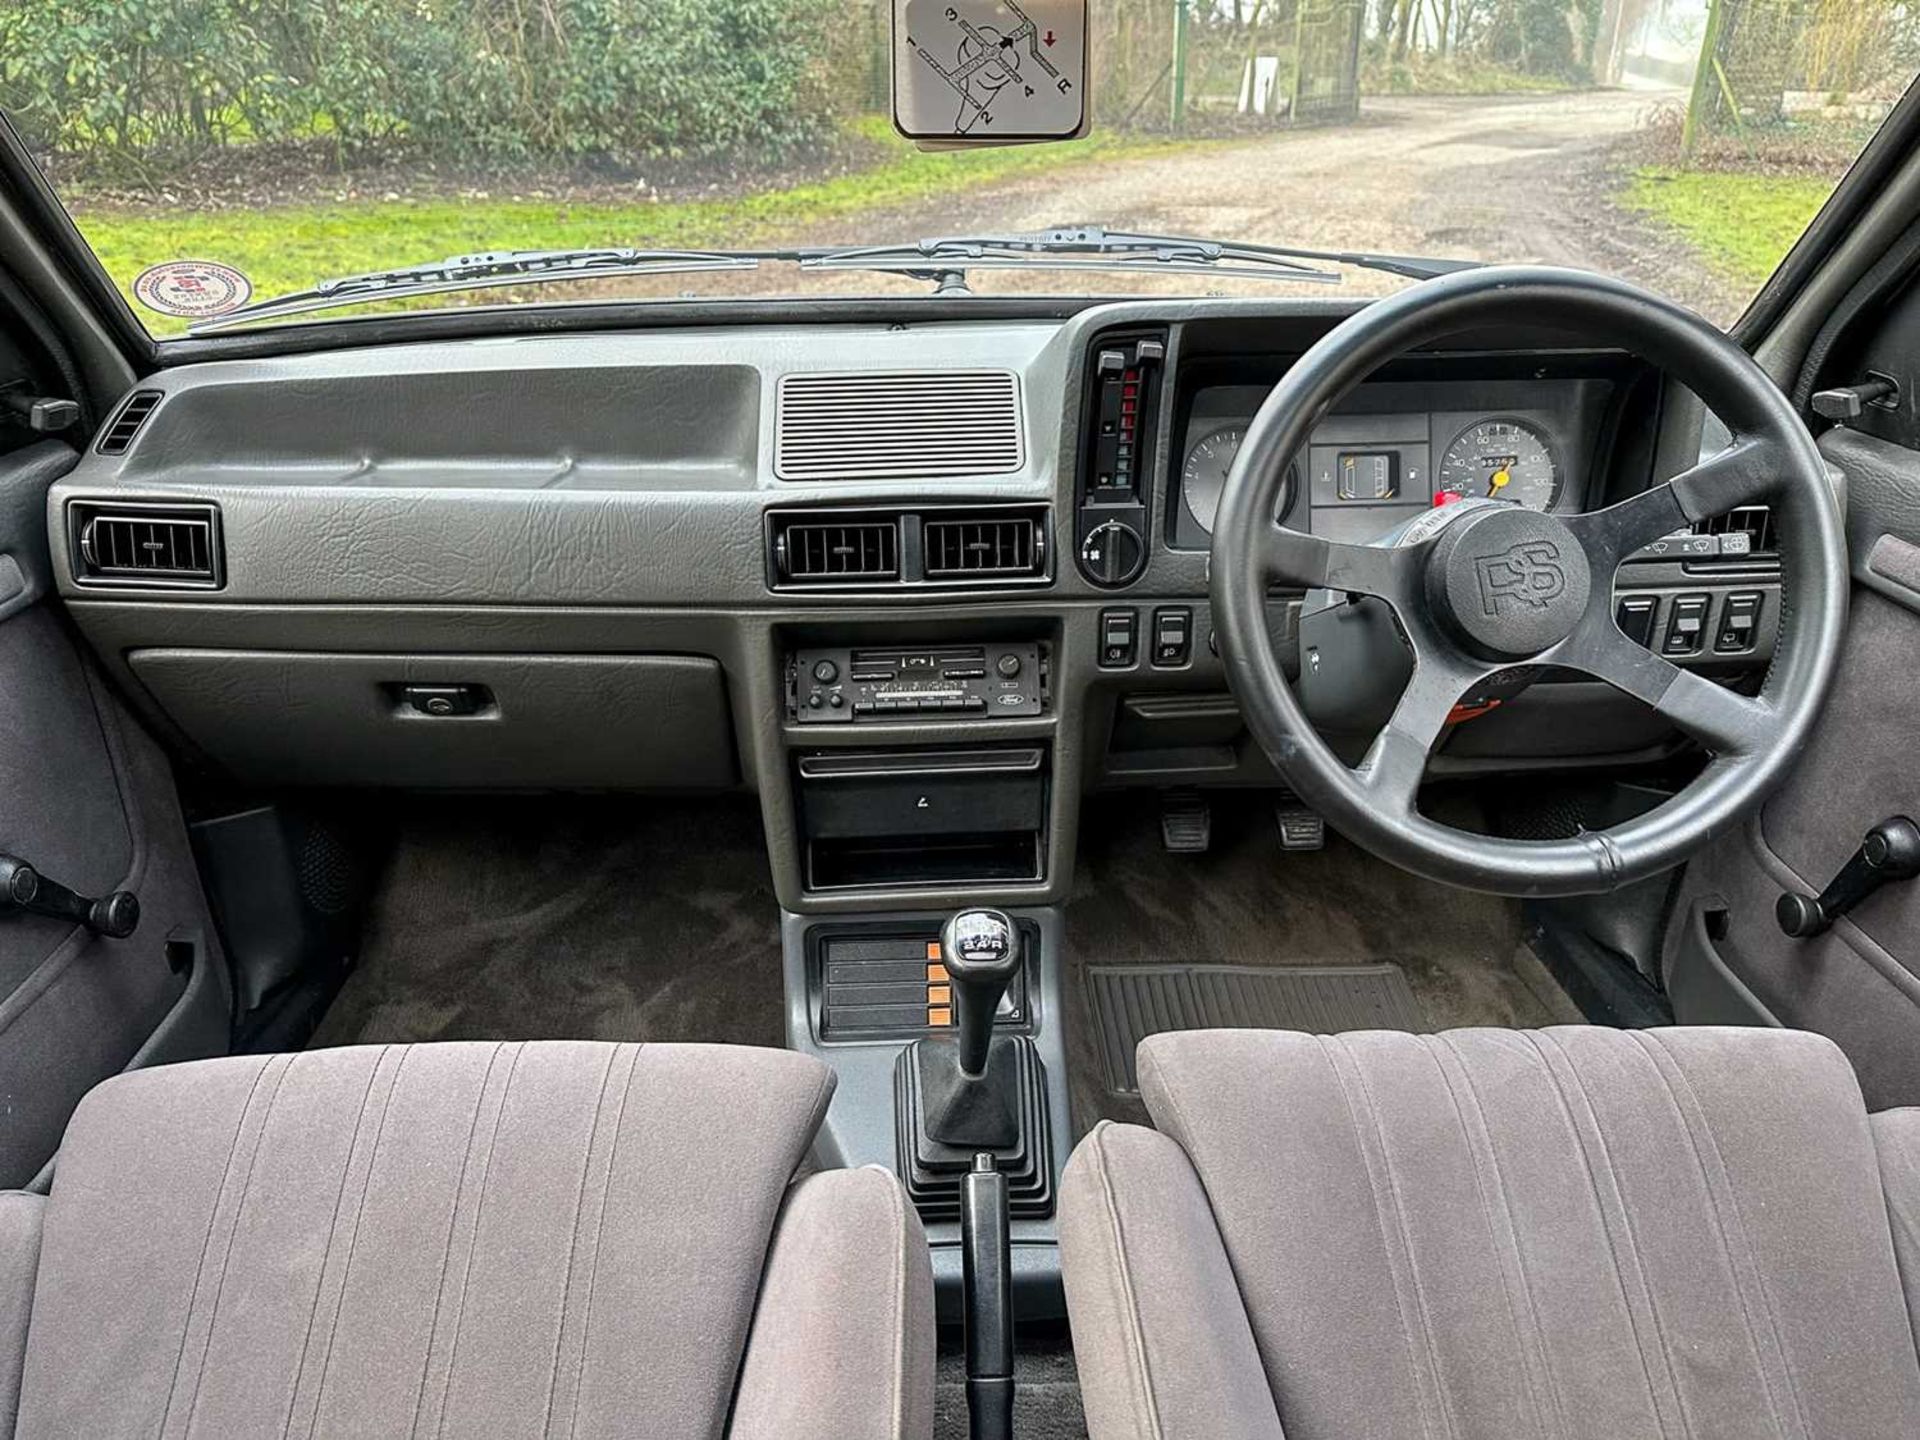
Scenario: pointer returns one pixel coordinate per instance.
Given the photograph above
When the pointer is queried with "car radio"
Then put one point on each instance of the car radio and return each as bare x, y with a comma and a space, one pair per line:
834, 686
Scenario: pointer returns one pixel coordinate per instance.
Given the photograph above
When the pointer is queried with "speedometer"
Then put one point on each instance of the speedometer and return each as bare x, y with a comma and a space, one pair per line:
1499, 459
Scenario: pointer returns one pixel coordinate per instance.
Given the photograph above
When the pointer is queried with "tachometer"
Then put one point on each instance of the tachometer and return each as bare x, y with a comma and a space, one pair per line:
1499, 459
1204, 476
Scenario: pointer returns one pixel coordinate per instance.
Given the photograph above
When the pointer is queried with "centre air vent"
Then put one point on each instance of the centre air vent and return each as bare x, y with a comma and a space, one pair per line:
968, 547
945, 546
165, 546
907, 424
837, 552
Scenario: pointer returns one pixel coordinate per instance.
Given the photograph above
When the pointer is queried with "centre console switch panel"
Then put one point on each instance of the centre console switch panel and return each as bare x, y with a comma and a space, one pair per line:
843, 686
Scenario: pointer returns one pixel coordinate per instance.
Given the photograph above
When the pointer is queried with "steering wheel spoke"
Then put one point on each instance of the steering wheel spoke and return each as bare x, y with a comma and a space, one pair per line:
1744, 472
1724, 721
1296, 558
1396, 762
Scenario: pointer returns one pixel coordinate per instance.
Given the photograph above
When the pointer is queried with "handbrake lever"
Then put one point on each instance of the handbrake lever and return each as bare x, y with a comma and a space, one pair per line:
25, 889
1890, 852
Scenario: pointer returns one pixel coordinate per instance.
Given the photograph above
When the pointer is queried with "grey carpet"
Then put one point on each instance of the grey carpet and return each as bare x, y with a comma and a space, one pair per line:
569, 918
1131, 1002
1248, 902
1046, 1391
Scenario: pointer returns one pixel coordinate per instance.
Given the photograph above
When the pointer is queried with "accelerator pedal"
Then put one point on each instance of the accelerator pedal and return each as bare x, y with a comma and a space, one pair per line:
1300, 827
1186, 823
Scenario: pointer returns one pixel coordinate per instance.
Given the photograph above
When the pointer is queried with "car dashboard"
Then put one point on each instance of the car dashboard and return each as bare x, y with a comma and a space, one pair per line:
918, 585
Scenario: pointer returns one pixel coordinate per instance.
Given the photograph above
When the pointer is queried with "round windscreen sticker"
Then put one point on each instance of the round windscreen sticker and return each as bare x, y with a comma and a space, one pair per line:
194, 288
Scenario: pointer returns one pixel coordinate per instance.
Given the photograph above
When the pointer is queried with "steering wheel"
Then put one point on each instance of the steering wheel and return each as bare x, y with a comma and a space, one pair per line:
1481, 587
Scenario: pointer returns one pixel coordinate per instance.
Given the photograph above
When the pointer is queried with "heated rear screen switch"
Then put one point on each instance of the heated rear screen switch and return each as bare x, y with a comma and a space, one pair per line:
1118, 631
1172, 636
1686, 625
1739, 621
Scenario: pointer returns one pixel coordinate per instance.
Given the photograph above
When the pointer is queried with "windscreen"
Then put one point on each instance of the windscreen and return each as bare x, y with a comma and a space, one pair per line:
217, 154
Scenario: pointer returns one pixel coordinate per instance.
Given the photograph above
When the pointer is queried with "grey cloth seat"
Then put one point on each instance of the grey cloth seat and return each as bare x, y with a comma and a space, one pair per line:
464, 1240
1570, 1233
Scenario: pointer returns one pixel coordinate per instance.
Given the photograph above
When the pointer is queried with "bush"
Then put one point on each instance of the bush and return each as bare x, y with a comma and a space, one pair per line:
131, 80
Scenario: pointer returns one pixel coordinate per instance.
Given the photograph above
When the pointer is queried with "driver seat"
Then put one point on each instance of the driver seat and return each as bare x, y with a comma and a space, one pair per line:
1572, 1232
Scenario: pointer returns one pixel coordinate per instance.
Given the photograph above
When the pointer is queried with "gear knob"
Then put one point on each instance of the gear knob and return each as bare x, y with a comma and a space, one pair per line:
982, 952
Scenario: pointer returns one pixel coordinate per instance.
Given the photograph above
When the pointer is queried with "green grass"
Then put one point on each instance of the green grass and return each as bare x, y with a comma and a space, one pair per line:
1425, 75
288, 247
1742, 225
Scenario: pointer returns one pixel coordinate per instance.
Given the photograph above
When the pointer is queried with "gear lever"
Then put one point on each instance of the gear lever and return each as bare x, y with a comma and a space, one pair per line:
969, 1080
981, 949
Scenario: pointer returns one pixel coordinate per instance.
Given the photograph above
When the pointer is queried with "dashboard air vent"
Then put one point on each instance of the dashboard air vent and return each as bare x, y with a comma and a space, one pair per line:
127, 422
837, 552
1755, 522
977, 547
157, 545
897, 425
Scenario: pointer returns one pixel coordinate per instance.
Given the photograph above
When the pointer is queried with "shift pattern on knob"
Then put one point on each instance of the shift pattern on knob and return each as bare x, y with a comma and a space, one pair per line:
978, 939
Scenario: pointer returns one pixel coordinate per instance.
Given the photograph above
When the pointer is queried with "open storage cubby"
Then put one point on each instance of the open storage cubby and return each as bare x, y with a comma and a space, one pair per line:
894, 818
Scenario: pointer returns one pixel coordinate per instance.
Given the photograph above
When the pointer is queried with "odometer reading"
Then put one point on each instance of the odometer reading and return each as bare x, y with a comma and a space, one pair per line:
1499, 460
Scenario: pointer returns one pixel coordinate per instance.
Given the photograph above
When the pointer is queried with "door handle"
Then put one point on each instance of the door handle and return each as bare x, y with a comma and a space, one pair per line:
1890, 852
25, 889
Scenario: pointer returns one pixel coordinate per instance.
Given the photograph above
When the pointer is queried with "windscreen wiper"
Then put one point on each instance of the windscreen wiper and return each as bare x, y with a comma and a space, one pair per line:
483, 271
946, 260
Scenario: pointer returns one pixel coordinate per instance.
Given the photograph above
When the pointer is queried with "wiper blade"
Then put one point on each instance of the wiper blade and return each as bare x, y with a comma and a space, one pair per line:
946, 259
482, 271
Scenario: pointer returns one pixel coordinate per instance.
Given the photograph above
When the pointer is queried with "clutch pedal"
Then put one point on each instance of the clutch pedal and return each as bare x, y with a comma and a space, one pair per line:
1186, 823
1300, 828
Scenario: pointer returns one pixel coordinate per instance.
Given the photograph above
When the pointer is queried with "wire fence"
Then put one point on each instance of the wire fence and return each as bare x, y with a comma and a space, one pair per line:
1764, 61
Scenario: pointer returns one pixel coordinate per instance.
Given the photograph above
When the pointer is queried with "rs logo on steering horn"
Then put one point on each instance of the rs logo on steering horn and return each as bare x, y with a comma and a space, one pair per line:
1525, 574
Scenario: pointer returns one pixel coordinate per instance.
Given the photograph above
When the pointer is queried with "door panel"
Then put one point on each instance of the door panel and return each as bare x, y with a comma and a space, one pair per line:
88, 800
1860, 982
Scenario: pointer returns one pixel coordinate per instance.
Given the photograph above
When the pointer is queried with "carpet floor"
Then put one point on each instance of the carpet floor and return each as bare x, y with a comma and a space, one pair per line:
608, 919
1248, 902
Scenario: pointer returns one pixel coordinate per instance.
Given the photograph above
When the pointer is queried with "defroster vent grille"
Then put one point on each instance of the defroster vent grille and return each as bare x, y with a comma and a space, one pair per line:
897, 424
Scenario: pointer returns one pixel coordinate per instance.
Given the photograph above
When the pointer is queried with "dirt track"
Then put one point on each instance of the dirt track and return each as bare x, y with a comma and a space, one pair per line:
1519, 178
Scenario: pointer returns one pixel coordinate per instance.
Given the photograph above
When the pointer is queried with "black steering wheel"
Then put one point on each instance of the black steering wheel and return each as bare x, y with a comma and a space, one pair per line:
1481, 587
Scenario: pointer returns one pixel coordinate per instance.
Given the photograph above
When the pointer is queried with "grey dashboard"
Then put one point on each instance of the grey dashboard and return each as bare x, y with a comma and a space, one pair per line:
602, 554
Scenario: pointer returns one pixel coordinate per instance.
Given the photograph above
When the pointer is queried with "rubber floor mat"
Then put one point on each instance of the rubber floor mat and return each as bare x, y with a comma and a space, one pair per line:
1131, 1002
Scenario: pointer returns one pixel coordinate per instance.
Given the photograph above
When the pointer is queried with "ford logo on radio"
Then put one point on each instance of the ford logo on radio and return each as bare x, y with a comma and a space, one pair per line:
1528, 573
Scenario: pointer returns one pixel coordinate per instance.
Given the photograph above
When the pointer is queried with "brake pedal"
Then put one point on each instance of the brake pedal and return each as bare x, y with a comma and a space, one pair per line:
1300, 828
1186, 823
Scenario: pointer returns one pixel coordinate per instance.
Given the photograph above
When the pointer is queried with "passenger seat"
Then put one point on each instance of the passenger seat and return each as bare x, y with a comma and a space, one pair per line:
464, 1240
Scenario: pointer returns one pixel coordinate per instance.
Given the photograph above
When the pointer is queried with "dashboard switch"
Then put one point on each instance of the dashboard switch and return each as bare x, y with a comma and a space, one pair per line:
1118, 638
1686, 625
1172, 636
1634, 615
1739, 622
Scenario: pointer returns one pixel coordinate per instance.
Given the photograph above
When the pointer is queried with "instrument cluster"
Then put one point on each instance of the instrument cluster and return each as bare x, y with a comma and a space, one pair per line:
1393, 450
